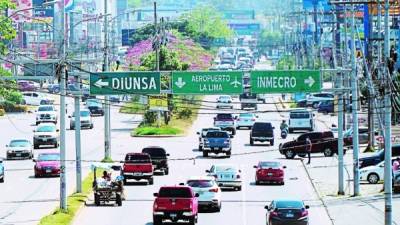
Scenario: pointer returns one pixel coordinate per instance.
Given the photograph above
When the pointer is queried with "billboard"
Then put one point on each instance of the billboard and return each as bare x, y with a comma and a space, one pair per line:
126, 37
308, 5
245, 28
42, 11
239, 14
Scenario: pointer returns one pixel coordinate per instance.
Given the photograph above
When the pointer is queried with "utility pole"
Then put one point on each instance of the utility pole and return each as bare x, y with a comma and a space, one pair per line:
107, 127
157, 48
77, 125
354, 91
63, 171
388, 123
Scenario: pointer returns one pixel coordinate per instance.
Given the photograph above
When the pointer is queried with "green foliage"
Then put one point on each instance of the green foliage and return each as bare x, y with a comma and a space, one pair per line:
150, 117
143, 33
270, 40
7, 31
2, 112
286, 63
9, 106
185, 113
8, 88
169, 60
164, 130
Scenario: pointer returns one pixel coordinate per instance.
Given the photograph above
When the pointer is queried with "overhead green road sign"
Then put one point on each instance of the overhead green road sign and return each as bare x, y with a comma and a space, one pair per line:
207, 82
271, 81
120, 83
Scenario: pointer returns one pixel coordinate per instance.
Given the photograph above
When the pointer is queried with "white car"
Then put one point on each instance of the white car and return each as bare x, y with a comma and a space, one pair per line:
19, 149
85, 118
34, 98
227, 176
46, 114
314, 99
208, 190
46, 134
301, 119
224, 101
373, 174
246, 120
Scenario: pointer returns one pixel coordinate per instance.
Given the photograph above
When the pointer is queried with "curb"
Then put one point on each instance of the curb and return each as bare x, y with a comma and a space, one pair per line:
157, 136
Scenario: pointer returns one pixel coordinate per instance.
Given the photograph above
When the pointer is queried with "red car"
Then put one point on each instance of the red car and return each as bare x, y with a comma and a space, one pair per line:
175, 203
270, 172
47, 164
138, 166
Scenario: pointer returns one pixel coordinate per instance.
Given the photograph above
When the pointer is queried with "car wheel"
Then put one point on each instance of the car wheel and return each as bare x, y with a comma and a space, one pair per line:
37, 123
218, 208
328, 152
272, 143
205, 154
96, 200
251, 142
72, 128
228, 153
192, 221
35, 146
289, 154
118, 200
373, 178
2, 179
125, 181
234, 131
151, 181
55, 145
283, 183
239, 188
290, 130
200, 148
157, 221
257, 182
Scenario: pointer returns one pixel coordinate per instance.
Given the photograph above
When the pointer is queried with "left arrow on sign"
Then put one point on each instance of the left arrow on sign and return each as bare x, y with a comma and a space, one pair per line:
100, 83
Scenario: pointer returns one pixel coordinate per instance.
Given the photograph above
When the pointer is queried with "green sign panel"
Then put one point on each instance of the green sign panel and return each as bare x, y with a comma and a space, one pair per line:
120, 83
271, 81
207, 82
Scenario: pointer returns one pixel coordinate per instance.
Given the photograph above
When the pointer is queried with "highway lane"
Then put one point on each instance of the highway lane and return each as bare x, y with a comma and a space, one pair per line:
238, 208
25, 199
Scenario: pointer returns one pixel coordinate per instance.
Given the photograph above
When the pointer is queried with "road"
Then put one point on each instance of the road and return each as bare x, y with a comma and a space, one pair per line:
239, 208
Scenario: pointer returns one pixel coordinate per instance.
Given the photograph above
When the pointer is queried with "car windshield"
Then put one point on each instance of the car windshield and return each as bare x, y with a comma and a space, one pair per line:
175, 193
274, 165
224, 116
19, 143
299, 115
46, 129
247, 115
224, 98
155, 152
45, 108
204, 131
200, 183
225, 169
137, 159
214, 134
49, 157
289, 204
83, 113
262, 126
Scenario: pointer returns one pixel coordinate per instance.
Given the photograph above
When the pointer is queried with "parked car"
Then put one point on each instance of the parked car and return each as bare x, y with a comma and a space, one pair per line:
19, 149
227, 176
224, 101
245, 120
287, 212
46, 114
322, 142
313, 100
53, 88
270, 172
208, 190
175, 203
85, 118
225, 121
301, 119
377, 157
33, 98
137, 166
373, 174
362, 135
159, 158
47, 164
202, 134
45, 134
1, 171
217, 142
262, 132
326, 106
26, 85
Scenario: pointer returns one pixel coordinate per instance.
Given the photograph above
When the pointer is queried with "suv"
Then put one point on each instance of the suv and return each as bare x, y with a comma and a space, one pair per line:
175, 203
85, 118
301, 119
202, 134
95, 107
378, 157
224, 101
45, 134
314, 99
46, 114
262, 132
137, 166
217, 142
322, 142
33, 98
225, 121
158, 157
248, 100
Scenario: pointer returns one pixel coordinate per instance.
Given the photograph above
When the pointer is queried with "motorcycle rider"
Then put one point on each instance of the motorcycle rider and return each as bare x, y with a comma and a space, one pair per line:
284, 125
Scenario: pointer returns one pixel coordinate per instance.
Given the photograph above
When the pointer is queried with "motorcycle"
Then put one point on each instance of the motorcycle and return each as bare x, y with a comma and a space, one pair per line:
284, 133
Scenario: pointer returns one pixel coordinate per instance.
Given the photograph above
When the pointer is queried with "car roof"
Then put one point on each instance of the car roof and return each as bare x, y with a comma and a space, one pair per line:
46, 124
214, 128
300, 110
137, 153
201, 178
226, 165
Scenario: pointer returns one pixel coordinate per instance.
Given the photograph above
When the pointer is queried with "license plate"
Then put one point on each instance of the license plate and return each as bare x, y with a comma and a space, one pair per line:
227, 176
18, 154
269, 174
173, 215
48, 171
137, 174
289, 215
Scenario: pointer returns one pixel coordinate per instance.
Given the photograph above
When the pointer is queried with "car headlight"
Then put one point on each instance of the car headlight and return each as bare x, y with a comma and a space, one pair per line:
9, 151
363, 171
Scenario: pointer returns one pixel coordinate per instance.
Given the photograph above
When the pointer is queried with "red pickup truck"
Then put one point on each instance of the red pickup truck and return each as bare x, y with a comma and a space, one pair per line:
175, 203
137, 166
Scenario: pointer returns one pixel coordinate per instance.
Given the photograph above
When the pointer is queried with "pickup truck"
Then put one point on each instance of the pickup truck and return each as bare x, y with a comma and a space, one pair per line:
159, 158
225, 121
175, 203
322, 142
137, 166
262, 132
217, 142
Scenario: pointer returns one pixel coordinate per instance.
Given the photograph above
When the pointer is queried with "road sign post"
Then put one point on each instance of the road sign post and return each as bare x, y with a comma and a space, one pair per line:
207, 82
285, 81
123, 83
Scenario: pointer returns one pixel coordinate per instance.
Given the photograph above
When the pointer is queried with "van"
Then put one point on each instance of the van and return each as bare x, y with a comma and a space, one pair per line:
301, 119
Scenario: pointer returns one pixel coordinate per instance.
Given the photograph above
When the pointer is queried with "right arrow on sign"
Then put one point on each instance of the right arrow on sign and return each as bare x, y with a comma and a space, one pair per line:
309, 81
180, 83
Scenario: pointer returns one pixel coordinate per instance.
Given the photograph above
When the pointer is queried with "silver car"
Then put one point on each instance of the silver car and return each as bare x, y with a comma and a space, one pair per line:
85, 118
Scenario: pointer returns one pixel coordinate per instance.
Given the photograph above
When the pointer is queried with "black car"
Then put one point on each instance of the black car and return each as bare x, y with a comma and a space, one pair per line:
96, 110
158, 157
287, 212
378, 157
262, 132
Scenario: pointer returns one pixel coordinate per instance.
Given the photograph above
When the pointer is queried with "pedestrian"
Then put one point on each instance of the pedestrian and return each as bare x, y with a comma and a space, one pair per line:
396, 165
308, 149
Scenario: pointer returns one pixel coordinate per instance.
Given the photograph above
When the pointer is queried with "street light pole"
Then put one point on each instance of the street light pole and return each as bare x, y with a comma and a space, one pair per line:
107, 131
77, 125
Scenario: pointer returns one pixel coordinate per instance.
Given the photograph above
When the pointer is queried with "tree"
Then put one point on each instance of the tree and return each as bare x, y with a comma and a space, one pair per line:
169, 60
270, 40
7, 31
